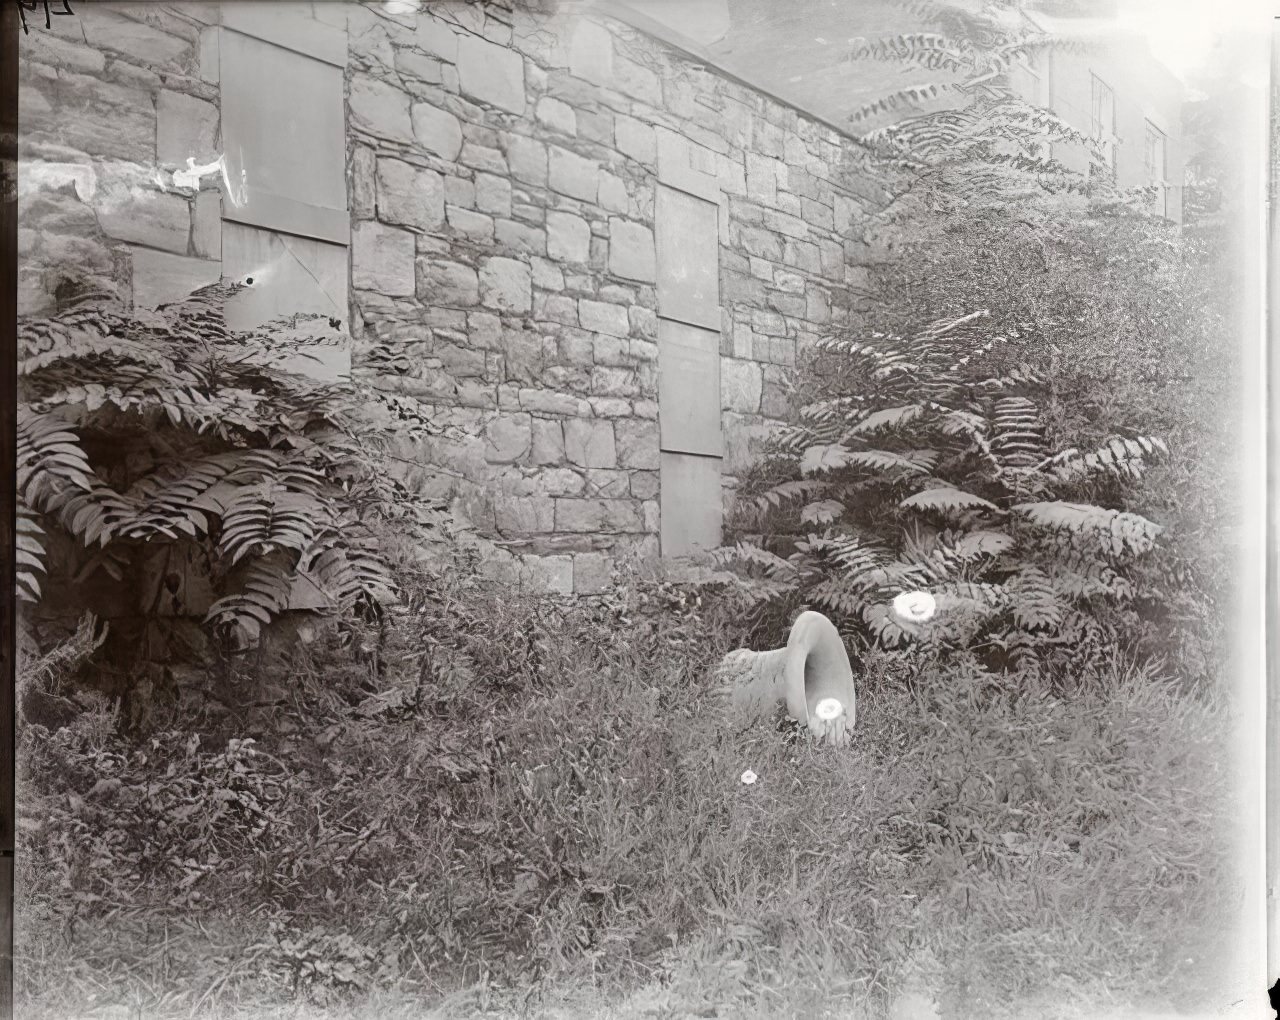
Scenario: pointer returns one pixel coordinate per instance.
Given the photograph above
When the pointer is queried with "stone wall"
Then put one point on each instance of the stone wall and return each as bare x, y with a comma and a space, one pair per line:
503, 168
502, 173
111, 101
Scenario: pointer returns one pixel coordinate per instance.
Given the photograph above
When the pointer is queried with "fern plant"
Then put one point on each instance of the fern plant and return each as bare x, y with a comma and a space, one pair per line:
923, 463
987, 144
189, 465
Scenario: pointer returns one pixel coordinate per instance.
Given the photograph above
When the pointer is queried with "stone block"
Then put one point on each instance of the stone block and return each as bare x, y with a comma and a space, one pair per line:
526, 158
186, 128
382, 259
644, 484
520, 237
636, 139
637, 81
448, 284
547, 573
572, 175
741, 385
547, 275
561, 481
380, 109
631, 252
493, 194
492, 74
110, 120
613, 193
472, 224
548, 442
433, 36
557, 116
599, 317
437, 130
507, 438
152, 218
591, 52
409, 196
364, 182
505, 284
637, 444
525, 515
568, 237
593, 516
482, 157
592, 573
608, 483
589, 442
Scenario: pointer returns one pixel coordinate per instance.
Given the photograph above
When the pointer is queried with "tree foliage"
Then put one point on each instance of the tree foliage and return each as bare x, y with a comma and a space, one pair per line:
923, 461
142, 430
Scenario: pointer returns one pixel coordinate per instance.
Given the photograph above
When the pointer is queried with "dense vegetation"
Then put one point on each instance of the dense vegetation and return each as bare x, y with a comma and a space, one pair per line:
437, 793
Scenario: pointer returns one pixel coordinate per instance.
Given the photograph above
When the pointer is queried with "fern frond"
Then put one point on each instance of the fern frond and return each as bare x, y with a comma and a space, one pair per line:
1117, 533
946, 499
831, 458
1127, 459
265, 594
30, 554
261, 517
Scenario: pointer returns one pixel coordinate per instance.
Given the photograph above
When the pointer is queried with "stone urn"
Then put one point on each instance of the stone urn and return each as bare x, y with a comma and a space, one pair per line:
811, 676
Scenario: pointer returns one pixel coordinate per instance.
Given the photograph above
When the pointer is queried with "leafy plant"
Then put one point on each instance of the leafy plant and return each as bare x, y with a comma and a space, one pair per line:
980, 141
169, 431
923, 462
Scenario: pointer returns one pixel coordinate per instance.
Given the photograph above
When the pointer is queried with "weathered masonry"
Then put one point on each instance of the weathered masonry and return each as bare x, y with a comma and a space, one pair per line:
591, 256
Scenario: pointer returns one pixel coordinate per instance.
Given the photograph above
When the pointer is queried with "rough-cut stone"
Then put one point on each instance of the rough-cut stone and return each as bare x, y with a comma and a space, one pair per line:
572, 175
435, 37
382, 259
527, 159
364, 183
568, 237
631, 252
556, 115
519, 237
741, 385
379, 108
591, 52
637, 444
492, 74
592, 573
186, 128
600, 317
589, 443
525, 515
473, 224
409, 196
159, 277
507, 438
636, 139
493, 194
146, 217
448, 284
548, 441
613, 193
437, 130
589, 516
505, 285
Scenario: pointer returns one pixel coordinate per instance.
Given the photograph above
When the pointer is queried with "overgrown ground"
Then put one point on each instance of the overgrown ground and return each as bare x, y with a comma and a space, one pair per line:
506, 805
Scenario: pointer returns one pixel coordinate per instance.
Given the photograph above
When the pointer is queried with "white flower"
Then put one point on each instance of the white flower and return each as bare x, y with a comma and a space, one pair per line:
828, 708
748, 777
915, 606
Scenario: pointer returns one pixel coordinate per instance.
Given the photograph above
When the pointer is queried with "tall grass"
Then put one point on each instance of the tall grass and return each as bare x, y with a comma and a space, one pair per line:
508, 805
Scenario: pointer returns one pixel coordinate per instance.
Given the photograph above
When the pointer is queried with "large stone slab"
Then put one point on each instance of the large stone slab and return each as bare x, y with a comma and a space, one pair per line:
689, 504
383, 259
410, 195
492, 74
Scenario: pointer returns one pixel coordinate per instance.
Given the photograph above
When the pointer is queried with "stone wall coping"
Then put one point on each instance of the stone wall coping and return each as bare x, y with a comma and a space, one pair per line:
623, 11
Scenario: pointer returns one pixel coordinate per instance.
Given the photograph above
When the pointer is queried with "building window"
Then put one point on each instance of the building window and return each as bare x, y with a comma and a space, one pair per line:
1104, 122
